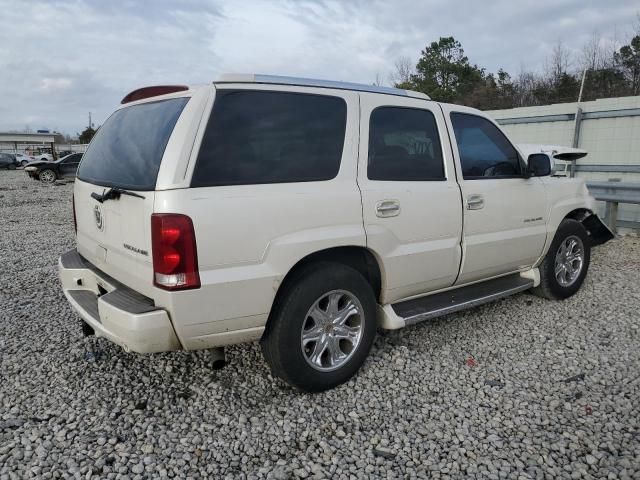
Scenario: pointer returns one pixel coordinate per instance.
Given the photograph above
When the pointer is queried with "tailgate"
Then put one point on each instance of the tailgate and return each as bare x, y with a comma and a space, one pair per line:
115, 235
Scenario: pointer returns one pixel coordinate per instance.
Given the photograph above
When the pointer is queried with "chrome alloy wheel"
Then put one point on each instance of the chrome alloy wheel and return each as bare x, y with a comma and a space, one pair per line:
569, 261
332, 330
47, 176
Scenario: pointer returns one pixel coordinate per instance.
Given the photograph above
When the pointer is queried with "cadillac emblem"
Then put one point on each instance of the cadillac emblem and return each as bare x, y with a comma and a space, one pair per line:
97, 214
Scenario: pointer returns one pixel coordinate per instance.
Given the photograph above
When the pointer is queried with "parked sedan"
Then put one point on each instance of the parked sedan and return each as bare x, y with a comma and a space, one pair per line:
8, 161
49, 172
23, 159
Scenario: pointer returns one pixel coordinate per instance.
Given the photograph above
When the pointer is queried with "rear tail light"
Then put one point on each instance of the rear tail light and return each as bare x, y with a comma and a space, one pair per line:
175, 257
75, 221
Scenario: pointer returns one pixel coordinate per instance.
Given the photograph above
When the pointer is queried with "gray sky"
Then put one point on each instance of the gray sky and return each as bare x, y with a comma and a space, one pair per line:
61, 59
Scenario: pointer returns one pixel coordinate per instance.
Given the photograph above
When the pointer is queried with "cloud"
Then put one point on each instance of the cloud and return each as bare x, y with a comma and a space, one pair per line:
50, 85
61, 59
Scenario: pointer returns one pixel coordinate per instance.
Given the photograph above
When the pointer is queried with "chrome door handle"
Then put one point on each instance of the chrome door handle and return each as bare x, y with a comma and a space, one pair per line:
387, 208
475, 202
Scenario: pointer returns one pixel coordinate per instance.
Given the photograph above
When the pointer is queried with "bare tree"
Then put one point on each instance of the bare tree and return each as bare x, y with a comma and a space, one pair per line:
525, 86
558, 63
594, 56
403, 70
378, 80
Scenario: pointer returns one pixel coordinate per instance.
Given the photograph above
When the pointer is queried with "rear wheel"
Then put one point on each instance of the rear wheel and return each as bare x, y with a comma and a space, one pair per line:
565, 266
11, 166
322, 327
47, 176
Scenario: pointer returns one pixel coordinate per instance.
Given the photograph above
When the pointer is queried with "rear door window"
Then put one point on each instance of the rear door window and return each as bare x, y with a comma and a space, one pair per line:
127, 150
258, 137
404, 145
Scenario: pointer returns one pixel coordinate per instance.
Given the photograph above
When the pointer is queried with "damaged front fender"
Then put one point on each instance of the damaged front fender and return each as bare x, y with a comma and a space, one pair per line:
598, 231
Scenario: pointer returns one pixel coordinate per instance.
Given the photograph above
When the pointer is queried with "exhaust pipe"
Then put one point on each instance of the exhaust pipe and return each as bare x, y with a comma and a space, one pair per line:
218, 359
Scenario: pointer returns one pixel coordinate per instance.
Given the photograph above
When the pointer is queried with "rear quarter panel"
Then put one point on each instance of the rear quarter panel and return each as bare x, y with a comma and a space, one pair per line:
250, 236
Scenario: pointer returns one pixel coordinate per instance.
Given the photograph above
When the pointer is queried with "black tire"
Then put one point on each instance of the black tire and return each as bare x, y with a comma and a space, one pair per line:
24, 163
11, 166
282, 342
550, 287
47, 176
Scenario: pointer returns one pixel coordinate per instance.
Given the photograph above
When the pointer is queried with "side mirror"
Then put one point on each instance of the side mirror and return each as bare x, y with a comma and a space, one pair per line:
539, 165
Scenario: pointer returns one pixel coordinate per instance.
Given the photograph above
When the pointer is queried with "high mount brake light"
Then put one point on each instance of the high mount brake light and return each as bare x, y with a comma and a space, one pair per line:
154, 91
175, 257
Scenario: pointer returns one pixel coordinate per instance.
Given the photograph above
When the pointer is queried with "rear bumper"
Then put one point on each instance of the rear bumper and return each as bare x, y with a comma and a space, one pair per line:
113, 310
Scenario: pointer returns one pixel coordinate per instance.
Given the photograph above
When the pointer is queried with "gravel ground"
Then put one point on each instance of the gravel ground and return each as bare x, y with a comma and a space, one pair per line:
523, 388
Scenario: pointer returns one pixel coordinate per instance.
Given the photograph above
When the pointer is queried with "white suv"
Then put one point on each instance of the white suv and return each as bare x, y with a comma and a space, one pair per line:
306, 214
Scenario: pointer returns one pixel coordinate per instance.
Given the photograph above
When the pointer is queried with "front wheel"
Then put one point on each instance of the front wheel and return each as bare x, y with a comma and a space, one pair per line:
47, 176
565, 266
322, 327
11, 166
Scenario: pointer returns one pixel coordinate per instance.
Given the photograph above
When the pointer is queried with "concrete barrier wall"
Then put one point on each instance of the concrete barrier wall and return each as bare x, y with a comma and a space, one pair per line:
609, 129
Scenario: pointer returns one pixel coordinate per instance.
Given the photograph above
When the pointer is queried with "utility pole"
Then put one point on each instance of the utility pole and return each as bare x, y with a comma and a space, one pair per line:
576, 126
89, 119
584, 75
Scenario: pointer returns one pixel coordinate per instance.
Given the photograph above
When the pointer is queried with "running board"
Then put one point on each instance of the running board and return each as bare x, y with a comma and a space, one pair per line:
439, 304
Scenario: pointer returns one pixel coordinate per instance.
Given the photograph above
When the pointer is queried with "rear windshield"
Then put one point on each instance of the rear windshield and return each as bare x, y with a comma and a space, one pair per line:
127, 150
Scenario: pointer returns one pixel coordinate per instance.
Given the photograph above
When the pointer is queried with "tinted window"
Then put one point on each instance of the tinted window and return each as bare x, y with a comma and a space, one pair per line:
271, 137
484, 150
404, 145
71, 159
127, 150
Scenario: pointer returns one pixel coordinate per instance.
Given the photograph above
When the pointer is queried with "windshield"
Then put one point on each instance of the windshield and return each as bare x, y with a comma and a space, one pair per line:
127, 150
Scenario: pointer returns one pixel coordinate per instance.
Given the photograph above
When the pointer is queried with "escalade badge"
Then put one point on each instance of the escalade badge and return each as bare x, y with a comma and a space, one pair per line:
97, 214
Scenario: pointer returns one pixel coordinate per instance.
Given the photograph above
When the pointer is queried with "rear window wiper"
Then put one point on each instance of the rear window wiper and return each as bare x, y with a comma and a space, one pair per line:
113, 194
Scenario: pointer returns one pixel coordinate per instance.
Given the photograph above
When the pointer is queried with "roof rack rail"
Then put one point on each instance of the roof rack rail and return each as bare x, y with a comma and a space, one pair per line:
311, 82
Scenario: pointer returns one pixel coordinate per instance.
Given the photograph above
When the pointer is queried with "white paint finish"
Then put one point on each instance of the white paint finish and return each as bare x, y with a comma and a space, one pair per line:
177, 153
224, 338
508, 232
125, 221
388, 319
496, 238
419, 249
533, 274
238, 224
564, 195
143, 333
249, 237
